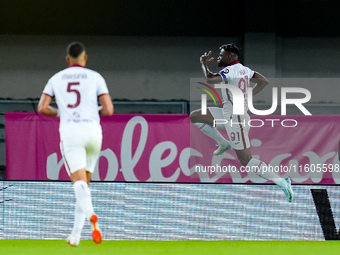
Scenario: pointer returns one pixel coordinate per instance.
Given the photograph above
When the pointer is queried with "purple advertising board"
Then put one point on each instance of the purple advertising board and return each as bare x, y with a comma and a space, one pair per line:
168, 148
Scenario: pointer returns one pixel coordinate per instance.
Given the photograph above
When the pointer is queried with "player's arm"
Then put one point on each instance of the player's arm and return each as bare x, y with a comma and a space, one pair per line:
44, 106
260, 81
210, 76
106, 104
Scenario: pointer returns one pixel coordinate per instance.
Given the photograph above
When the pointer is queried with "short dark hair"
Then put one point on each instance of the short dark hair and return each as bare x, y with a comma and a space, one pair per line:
230, 47
75, 49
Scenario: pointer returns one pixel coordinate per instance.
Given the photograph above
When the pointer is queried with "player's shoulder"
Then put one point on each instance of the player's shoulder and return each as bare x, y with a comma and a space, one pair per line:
230, 70
238, 66
241, 68
225, 70
235, 70
93, 73
56, 76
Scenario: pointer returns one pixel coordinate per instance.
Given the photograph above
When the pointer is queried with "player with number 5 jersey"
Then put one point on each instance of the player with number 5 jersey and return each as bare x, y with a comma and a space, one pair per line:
235, 74
77, 91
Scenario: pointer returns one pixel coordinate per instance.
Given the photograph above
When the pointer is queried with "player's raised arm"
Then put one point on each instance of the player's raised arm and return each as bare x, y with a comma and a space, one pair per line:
106, 102
210, 76
260, 81
44, 106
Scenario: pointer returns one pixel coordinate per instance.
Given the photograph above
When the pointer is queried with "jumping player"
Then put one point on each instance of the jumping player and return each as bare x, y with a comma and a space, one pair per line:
234, 73
77, 90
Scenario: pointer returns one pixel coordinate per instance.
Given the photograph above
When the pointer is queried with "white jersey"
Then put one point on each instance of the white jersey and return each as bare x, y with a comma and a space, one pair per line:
238, 75
76, 90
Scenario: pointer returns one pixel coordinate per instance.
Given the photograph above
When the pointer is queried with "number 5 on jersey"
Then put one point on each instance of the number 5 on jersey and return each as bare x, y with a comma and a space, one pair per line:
73, 90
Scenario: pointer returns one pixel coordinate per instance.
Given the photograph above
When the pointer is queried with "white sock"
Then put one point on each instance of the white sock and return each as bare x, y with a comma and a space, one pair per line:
211, 132
259, 166
79, 220
83, 197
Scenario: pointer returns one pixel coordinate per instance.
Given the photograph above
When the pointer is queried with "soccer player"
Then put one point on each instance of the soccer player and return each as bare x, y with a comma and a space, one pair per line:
235, 74
77, 91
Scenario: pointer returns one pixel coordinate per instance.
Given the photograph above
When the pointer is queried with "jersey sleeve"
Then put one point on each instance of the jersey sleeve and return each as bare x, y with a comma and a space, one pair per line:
224, 73
251, 73
101, 86
49, 88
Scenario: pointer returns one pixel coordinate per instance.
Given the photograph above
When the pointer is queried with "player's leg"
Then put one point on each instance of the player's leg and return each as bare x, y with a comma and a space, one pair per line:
93, 149
244, 156
79, 175
88, 177
79, 185
96, 234
260, 168
205, 124
238, 134
246, 159
197, 117
82, 191
74, 156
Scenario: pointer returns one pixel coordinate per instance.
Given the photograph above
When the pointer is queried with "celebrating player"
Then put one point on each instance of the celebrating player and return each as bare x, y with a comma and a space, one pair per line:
235, 74
77, 90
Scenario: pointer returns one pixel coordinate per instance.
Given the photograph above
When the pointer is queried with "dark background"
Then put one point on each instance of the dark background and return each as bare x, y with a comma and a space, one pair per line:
170, 18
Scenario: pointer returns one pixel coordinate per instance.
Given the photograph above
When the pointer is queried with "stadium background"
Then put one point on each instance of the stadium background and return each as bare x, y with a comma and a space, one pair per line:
147, 51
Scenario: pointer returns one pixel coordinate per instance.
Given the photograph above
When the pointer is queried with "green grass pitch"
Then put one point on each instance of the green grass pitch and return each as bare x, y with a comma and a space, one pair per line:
60, 247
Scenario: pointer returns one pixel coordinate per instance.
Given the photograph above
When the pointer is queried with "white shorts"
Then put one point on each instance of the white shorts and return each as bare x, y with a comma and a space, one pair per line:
80, 152
237, 128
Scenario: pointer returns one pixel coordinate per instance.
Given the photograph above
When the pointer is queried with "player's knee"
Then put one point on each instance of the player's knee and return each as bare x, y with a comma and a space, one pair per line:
244, 159
194, 116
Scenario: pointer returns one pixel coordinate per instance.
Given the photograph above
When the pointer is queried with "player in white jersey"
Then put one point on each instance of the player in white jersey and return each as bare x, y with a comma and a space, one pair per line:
77, 90
234, 73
